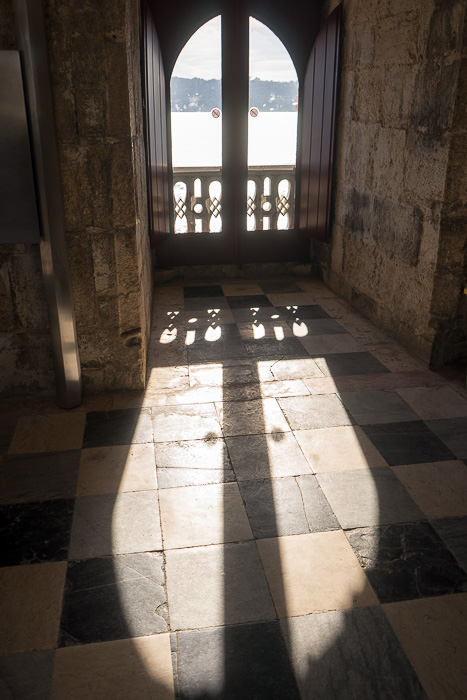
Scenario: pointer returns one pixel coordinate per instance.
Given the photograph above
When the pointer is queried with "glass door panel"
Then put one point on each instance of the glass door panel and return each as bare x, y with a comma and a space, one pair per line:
196, 119
272, 131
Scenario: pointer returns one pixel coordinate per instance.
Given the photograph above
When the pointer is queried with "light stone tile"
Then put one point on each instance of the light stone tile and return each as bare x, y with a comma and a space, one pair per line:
295, 369
192, 454
305, 412
168, 378
189, 422
312, 573
321, 385
438, 488
327, 344
117, 469
338, 449
434, 402
287, 387
432, 634
251, 417
216, 585
115, 524
198, 394
53, 433
164, 296
368, 497
139, 668
30, 606
202, 515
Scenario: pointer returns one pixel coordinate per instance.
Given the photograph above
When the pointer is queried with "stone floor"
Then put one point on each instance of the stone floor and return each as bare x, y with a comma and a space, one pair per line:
282, 514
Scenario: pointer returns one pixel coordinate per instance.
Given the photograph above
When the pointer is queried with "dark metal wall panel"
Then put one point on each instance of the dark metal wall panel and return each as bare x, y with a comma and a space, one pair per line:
156, 132
18, 208
319, 108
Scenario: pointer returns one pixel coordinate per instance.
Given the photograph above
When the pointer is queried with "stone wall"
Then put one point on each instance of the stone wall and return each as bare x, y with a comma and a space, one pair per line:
400, 66
94, 56
25, 350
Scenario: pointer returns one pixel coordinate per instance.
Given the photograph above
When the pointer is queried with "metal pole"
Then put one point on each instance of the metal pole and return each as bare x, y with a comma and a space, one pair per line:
32, 44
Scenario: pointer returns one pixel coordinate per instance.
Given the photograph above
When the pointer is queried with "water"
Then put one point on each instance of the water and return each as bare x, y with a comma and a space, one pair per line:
197, 139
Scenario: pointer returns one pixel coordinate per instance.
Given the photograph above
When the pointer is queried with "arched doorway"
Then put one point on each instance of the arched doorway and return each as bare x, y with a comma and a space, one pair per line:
240, 212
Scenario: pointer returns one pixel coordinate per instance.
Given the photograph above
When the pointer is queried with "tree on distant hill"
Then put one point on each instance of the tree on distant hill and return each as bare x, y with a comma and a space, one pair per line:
198, 95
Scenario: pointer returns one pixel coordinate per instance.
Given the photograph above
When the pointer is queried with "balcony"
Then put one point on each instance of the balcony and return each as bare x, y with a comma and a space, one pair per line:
269, 202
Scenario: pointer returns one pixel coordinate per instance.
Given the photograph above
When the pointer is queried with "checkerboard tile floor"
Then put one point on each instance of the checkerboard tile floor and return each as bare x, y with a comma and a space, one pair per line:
281, 514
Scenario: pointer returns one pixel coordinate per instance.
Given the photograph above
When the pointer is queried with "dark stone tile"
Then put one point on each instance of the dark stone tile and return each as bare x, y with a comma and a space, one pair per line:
453, 532
208, 290
266, 456
35, 532
7, 429
203, 303
369, 407
39, 477
26, 676
453, 432
351, 655
344, 364
262, 315
113, 598
406, 561
120, 427
318, 326
407, 443
280, 287
249, 301
319, 411
170, 478
271, 349
302, 313
274, 507
317, 509
235, 662
229, 345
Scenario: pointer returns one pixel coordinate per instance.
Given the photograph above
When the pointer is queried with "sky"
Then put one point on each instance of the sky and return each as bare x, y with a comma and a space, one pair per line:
201, 56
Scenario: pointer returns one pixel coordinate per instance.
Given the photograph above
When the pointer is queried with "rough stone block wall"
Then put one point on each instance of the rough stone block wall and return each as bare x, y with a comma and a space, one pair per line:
25, 350
94, 53
400, 66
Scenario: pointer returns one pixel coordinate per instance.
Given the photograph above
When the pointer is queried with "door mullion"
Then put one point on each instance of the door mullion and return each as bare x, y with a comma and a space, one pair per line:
235, 51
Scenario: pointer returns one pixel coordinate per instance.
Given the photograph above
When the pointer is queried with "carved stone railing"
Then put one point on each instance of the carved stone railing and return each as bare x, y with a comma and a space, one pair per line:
270, 198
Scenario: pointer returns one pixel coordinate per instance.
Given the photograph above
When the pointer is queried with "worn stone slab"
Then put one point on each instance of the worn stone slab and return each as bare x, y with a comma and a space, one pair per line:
216, 585
324, 647
368, 497
115, 524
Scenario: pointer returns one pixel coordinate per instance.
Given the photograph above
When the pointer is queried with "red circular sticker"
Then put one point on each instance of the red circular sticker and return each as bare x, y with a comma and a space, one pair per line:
216, 113
254, 112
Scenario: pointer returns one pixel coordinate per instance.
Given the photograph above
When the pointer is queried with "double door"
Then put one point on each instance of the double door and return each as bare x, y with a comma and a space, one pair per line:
249, 204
